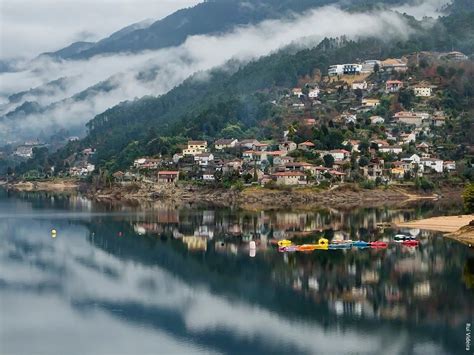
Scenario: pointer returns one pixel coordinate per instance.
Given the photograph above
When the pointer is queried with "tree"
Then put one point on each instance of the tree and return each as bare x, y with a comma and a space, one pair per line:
328, 160
468, 197
363, 161
406, 98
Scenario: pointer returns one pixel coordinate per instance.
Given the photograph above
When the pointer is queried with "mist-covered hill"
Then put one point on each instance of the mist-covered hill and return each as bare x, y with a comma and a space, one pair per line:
234, 97
52, 93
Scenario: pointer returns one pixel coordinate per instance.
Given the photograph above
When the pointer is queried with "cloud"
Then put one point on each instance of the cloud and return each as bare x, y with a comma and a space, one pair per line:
173, 65
29, 27
420, 8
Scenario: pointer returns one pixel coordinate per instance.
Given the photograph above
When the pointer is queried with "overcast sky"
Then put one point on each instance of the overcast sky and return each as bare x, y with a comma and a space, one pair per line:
30, 27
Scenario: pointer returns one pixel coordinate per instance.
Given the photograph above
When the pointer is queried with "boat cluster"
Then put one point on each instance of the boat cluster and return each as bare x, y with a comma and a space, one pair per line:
323, 244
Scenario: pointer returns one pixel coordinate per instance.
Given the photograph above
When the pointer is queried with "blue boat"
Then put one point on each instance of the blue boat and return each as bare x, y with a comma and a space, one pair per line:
360, 244
340, 246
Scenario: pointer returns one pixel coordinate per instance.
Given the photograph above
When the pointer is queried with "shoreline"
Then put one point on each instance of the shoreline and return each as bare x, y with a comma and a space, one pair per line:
250, 198
459, 227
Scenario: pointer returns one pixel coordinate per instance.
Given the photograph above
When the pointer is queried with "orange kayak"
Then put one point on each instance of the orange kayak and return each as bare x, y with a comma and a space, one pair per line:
306, 247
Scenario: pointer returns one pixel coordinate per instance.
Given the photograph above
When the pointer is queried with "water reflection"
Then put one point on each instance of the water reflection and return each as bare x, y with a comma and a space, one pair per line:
184, 278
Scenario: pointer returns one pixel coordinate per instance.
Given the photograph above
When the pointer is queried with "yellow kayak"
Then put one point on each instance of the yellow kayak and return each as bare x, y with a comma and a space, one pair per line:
284, 243
323, 244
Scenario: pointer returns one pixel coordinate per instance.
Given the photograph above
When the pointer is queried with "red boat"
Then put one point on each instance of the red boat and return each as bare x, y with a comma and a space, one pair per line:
378, 244
411, 243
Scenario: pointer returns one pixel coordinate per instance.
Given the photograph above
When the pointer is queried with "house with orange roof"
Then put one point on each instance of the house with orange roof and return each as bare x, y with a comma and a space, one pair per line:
393, 85
306, 145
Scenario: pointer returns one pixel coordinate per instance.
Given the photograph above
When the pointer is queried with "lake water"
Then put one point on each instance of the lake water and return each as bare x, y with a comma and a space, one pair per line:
166, 279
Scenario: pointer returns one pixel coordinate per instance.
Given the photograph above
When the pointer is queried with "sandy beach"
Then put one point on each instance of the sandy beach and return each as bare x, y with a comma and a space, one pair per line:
446, 224
454, 227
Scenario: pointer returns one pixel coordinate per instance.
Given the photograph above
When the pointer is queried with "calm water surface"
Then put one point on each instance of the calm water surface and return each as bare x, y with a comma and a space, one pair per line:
122, 280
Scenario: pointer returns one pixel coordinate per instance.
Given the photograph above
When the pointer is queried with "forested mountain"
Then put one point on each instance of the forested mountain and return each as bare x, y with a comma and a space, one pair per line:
44, 94
209, 17
238, 98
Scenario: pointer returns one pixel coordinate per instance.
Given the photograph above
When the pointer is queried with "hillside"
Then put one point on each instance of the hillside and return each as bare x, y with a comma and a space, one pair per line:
239, 97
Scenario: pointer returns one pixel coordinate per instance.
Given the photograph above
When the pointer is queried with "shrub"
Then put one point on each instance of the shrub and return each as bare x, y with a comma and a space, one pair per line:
424, 184
368, 184
468, 197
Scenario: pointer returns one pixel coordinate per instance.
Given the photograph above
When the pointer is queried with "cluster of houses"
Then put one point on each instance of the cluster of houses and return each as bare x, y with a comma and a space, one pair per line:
274, 161
262, 162
267, 162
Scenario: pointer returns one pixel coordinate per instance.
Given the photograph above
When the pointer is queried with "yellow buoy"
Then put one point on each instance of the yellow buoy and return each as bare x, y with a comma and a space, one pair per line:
53, 233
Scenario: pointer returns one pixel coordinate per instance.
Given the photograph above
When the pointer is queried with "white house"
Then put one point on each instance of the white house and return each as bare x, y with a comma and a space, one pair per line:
221, 144
208, 176
393, 85
347, 69
370, 102
313, 93
377, 120
177, 157
289, 146
353, 143
362, 85
334, 70
422, 90
350, 118
435, 164
415, 158
449, 165
369, 65
248, 143
146, 163
339, 154
297, 92
394, 149
203, 159
255, 156
282, 160
408, 137
24, 151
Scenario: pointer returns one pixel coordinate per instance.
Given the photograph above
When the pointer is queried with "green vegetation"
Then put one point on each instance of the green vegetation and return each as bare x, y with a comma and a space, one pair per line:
468, 197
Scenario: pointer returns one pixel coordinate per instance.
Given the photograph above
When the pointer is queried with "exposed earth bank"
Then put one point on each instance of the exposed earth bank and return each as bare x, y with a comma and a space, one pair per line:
253, 197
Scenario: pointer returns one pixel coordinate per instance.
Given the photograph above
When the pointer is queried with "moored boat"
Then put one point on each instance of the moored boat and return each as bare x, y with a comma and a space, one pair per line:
378, 244
411, 243
284, 243
402, 237
340, 246
360, 244
288, 248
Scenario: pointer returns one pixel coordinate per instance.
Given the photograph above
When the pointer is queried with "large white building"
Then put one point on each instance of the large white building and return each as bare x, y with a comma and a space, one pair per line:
435, 164
346, 69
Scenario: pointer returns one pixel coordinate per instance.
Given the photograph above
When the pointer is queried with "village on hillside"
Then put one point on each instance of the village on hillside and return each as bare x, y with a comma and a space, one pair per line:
381, 119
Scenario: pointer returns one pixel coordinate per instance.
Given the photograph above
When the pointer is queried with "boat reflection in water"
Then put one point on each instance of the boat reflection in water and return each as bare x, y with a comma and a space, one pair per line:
213, 280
